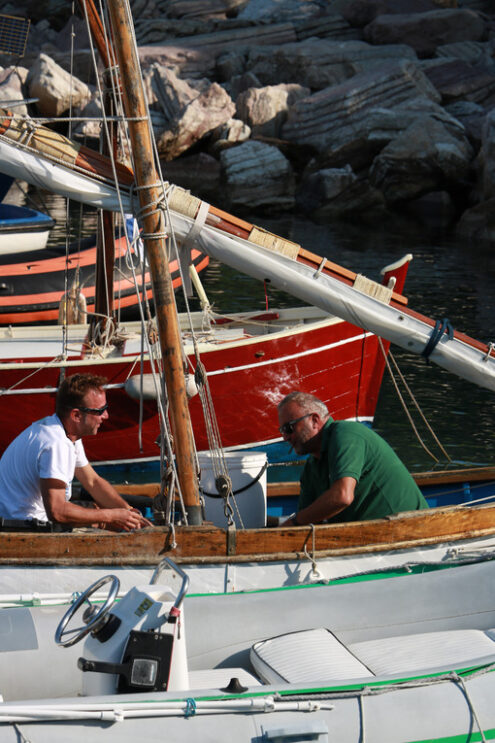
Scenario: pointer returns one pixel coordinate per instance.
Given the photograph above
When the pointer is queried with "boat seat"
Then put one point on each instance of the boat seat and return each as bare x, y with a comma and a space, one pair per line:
317, 654
305, 656
410, 653
219, 678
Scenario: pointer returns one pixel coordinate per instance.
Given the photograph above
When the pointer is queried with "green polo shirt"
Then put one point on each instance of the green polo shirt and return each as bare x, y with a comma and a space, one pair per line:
350, 449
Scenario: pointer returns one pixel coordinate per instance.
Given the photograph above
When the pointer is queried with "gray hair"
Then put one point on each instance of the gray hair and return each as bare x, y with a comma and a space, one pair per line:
308, 403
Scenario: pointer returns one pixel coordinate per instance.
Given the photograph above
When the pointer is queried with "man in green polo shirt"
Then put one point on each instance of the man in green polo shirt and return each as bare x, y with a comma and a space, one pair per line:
352, 474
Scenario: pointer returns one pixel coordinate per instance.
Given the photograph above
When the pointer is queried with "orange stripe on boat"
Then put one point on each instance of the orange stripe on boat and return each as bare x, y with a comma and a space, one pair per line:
5, 123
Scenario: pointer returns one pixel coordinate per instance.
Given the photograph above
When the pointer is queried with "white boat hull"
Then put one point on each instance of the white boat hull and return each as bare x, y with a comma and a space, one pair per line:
417, 615
52, 583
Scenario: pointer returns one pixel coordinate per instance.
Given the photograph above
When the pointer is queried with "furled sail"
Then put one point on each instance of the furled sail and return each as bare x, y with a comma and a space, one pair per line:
51, 161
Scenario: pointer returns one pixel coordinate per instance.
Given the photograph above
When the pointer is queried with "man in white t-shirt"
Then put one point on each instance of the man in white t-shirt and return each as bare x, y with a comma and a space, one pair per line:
37, 468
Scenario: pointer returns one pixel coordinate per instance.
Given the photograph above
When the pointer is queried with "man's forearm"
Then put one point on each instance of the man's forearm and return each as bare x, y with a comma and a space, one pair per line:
105, 495
328, 504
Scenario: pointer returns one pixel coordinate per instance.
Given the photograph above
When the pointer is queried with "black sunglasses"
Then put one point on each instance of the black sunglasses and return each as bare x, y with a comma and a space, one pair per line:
94, 411
288, 427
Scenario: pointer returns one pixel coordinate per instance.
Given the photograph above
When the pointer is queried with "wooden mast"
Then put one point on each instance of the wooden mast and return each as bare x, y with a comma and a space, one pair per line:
155, 243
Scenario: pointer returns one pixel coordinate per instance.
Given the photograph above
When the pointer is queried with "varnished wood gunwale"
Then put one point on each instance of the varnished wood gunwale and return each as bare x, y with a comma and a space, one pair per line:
207, 544
284, 489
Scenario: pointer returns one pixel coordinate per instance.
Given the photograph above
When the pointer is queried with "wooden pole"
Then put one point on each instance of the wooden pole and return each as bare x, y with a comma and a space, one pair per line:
155, 244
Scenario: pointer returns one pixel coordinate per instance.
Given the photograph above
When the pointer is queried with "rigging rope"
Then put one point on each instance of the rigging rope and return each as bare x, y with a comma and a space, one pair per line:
415, 402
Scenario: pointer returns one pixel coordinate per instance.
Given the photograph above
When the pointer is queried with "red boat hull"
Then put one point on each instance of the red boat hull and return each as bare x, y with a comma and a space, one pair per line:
335, 361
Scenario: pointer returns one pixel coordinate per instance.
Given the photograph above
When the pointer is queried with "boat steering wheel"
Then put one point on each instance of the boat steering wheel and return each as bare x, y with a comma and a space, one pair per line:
92, 616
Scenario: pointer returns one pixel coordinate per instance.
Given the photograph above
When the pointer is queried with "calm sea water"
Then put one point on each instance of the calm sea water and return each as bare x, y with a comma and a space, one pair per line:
447, 278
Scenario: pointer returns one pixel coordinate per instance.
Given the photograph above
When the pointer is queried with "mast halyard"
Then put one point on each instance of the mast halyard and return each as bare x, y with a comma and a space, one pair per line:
155, 243
105, 254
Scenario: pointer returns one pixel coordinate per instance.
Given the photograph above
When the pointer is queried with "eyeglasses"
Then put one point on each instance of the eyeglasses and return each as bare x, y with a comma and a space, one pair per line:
288, 427
94, 411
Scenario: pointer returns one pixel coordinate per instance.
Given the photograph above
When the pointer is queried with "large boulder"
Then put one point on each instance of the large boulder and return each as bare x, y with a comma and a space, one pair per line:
264, 110
280, 10
486, 158
320, 63
457, 80
430, 155
191, 111
334, 193
424, 32
232, 133
55, 88
362, 12
333, 119
12, 80
199, 173
258, 176
478, 223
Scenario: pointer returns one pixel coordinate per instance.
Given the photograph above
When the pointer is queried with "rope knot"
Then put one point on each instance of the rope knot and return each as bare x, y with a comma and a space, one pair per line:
190, 709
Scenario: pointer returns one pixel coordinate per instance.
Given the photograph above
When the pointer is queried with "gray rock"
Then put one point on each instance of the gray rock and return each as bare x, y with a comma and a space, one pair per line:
337, 192
231, 65
12, 81
428, 156
55, 89
471, 116
478, 223
172, 93
319, 63
362, 12
200, 8
226, 135
458, 80
240, 83
473, 52
424, 32
265, 109
257, 175
335, 117
90, 128
277, 10
486, 158
332, 26
385, 124
186, 62
199, 173
200, 116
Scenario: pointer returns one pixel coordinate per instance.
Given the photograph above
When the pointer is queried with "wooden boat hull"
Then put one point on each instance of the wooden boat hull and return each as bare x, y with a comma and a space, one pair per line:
219, 561
31, 290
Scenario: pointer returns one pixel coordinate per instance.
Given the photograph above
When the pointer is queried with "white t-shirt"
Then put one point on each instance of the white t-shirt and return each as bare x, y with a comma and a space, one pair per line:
41, 451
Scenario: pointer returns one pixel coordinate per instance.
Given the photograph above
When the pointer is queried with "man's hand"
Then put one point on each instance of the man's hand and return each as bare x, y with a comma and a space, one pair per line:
118, 518
122, 519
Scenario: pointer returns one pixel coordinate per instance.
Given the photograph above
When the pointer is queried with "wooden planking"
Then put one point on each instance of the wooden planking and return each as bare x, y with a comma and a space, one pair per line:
209, 545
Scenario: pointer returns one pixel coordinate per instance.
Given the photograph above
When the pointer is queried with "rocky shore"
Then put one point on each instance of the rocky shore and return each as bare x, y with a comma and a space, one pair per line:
339, 109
